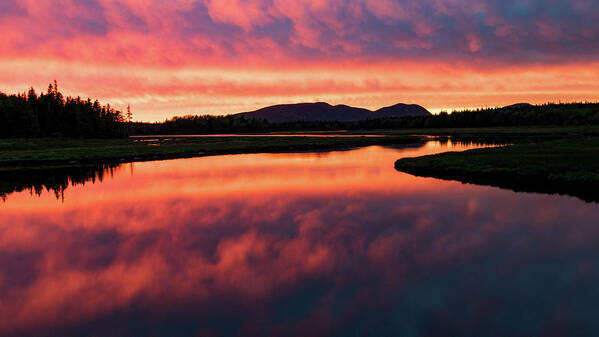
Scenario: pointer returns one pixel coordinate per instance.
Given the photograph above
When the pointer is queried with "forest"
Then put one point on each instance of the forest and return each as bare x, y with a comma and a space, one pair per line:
50, 114
563, 114
198, 124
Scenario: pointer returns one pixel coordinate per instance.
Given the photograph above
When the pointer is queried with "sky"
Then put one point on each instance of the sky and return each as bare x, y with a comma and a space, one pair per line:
178, 57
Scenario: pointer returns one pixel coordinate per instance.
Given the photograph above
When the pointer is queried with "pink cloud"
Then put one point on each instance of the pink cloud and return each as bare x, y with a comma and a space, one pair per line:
89, 38
204, 236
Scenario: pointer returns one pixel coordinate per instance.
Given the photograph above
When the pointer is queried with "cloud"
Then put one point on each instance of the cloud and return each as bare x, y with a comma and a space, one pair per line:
11, 9
280, 31
157, 93
473, 37
178, 254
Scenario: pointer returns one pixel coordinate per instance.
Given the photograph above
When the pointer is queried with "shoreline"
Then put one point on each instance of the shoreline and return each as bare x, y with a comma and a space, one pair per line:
45, 154
566, 166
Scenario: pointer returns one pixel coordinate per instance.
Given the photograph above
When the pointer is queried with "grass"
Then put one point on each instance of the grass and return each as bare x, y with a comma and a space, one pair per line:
544, 159
565, 166
30, 153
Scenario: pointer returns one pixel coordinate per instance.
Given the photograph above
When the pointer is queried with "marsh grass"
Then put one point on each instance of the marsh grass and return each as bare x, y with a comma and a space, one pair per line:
43, 152
565, 166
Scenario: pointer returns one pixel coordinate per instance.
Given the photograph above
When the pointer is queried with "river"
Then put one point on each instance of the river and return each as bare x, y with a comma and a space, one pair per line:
299, 244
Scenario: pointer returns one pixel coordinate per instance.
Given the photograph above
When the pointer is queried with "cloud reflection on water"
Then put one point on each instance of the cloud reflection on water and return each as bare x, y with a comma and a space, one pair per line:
295, 244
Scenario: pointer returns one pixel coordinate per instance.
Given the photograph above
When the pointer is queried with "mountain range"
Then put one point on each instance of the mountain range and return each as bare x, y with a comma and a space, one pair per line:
325, 112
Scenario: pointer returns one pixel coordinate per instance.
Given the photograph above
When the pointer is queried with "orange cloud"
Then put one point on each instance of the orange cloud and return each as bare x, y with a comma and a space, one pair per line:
210, 239
217, 57
159, 93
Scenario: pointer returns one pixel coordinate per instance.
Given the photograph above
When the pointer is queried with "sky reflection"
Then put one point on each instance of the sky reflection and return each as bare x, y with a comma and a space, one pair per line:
321, 244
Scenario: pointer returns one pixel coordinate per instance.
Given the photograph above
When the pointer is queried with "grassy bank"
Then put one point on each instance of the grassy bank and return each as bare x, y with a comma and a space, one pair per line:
565, 166
31, 153
28, 153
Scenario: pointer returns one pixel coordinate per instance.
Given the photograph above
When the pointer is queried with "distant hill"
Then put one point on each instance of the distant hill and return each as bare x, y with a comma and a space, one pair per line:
400, 110
326, 112
519, 105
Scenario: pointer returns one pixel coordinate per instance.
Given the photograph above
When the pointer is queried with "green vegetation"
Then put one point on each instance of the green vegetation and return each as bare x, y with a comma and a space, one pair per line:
55, 163
544, 159
568, 166
37, 152
27, 153
60, 151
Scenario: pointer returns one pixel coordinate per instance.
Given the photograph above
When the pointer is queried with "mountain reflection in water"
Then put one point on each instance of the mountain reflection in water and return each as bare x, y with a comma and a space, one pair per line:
318, 244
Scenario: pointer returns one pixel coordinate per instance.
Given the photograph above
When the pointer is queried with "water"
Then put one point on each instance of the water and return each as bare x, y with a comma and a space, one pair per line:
324, 134
308, 244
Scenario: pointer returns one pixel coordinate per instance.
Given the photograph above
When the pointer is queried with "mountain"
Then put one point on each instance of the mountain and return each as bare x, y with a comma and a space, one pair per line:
518, 105
325, 112
400, 110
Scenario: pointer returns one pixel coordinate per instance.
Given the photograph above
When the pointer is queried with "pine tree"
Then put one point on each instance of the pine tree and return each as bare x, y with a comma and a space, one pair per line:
129, 114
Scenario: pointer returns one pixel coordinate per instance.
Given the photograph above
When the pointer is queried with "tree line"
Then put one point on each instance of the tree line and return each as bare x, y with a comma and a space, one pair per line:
523, 115
192, 124
50, 114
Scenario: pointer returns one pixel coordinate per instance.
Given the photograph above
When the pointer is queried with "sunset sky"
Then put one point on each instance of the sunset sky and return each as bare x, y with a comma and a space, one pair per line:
178, 57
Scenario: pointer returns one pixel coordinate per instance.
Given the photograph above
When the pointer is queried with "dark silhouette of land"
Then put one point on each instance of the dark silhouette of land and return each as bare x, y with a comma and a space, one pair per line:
519, 115
25, 154
50, 114
565, 166
50, 165
49, 130
519, 105
320, 111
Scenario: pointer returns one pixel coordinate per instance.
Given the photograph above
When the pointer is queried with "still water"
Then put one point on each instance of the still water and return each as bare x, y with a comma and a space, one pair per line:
304, 244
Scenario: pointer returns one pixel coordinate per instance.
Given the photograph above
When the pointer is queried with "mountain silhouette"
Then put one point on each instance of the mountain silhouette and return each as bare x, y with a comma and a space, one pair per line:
325, 112
518, 105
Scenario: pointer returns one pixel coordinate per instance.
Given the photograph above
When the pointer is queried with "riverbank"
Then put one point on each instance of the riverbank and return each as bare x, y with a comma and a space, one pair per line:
565, 166
16, 154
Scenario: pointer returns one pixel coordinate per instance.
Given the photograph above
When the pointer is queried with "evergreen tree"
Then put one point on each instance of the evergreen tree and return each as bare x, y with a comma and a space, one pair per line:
51, 114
